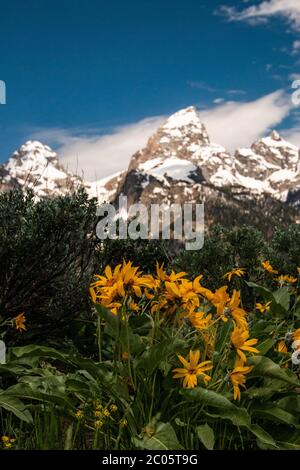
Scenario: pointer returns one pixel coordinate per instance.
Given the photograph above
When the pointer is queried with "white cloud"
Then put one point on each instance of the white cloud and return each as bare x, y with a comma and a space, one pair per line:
236, 124
232, 124
292, 135
294, 76
296, 47
95, 156
255, 14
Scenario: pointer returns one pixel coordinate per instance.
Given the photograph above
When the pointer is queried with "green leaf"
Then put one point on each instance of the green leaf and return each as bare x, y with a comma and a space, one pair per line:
157, 355
163, 437
117, 329
265, 346
31, 392
282, 297
265, 367
276, 414
288, 445
15, 406
32, 351
206, 436
265, 390
226, 410
263, 436
263, 291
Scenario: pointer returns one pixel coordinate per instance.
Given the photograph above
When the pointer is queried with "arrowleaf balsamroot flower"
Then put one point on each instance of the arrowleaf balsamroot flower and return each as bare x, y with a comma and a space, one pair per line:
264, 308
20, 321
109, 290
268, 267
285, 278
296, 335
281, 347
238, 272
192, 369
227, 306
238, 377
199, 320
241, 342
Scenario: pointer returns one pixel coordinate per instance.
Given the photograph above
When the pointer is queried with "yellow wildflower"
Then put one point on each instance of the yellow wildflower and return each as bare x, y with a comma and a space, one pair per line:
106, 412
296, 335
79, 414
98, 423
264, 308
7, 442
113, 408
110, 289
281, 347
267, 267
227, 306
133, 306
192, 369
238, 272
238, 378
20, 322
163, 276
199, 320
240, 341
98, 405
286, 279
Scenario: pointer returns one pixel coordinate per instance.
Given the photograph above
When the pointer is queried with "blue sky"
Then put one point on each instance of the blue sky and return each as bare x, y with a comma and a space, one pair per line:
80, 72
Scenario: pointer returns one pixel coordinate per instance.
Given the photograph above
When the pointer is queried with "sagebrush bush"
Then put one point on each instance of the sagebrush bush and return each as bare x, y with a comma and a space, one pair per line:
47, 255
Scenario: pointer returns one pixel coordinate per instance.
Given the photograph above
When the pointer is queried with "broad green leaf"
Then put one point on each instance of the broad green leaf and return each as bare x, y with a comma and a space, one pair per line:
206, 436
156, 356
266, 389
226, 410
27, 392
238, 416
121, 332
265, 367
282, 297
274, 413
163, 437
33, 351
263, 291
288, 445
265, 346
262, 435
15, 406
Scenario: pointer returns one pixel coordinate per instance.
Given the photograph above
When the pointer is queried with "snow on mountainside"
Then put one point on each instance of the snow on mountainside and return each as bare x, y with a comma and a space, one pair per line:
37, 166
104, 189
271, 166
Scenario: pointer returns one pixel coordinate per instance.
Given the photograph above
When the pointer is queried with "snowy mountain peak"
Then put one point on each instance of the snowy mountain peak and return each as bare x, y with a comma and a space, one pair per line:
275, 136
183, 123
36, 166
35, 149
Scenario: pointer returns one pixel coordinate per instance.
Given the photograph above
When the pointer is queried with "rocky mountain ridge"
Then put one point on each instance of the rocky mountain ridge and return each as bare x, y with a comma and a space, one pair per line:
179, 164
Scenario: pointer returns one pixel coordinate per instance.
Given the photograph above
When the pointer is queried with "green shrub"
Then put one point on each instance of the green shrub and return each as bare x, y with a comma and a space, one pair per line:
47, 256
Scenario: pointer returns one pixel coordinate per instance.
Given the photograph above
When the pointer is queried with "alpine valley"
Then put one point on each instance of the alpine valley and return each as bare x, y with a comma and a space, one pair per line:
259, 185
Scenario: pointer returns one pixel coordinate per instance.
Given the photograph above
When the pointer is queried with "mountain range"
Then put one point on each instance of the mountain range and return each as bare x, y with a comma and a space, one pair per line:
258, 185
